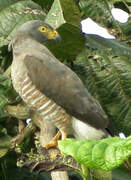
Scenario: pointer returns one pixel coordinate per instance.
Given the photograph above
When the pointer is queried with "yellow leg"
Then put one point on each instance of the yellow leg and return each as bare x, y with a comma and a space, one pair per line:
53, 143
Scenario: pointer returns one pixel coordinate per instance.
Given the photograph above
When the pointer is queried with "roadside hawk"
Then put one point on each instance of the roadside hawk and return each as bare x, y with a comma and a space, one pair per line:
50, 87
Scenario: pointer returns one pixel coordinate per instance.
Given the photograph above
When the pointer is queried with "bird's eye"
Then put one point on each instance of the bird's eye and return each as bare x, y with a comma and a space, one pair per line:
42, 29
55, 32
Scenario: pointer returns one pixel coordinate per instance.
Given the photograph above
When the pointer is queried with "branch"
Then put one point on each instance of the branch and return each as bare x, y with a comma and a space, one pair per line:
47, 132
19, 111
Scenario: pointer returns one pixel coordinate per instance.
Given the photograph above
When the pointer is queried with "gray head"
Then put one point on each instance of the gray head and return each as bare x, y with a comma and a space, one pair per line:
37, 30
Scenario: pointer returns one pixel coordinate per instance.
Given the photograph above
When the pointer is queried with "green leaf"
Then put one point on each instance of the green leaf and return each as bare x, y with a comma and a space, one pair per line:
101, 175
108, 79
4, 144
121, 174
46, 4
65, 16
13, 14
126, 27
67, 49
7, 93
99, 11
108, 45
63, 11
105, 154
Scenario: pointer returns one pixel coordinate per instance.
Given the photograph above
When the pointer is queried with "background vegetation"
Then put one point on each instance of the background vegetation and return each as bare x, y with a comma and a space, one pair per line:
103, 65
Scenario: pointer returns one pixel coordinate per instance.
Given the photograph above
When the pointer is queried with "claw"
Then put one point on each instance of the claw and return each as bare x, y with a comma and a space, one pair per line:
53, 143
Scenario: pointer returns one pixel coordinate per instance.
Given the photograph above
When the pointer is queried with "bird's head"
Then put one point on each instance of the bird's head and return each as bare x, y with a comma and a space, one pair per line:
37, 30
48, 32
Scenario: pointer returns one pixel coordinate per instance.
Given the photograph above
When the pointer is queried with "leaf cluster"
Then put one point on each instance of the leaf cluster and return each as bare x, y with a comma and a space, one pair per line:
103, 65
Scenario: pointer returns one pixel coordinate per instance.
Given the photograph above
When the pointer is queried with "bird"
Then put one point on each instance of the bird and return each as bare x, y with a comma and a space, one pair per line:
51, 88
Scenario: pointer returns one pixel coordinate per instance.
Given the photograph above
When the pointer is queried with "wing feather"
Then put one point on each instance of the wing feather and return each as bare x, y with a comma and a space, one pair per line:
61, 84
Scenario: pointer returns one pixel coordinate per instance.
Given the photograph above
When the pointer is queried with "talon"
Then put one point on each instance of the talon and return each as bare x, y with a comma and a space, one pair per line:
53, 142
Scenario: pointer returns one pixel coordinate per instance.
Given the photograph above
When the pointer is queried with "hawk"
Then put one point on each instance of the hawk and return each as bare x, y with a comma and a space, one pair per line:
52, 88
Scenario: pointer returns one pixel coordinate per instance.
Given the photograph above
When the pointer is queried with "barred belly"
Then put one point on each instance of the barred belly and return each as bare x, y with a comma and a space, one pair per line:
44, 106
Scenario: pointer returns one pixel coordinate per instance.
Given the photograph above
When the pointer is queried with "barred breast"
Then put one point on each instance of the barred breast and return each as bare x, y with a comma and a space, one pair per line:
38, 101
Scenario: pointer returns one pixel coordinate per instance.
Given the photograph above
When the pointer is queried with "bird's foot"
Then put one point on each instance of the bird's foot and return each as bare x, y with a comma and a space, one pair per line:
53, 142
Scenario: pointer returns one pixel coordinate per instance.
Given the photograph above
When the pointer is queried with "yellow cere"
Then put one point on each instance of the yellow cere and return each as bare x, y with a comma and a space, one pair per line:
50, 34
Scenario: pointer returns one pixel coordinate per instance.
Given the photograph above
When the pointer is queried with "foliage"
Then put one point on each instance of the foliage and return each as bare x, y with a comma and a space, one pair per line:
104, 66
105, 154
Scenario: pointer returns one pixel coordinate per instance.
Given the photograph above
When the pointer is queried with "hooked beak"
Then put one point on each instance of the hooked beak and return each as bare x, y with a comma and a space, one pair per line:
57, 38
54, 35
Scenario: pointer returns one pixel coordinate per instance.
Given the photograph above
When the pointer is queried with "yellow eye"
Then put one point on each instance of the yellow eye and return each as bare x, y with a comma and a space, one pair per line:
55, 32
42, 29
